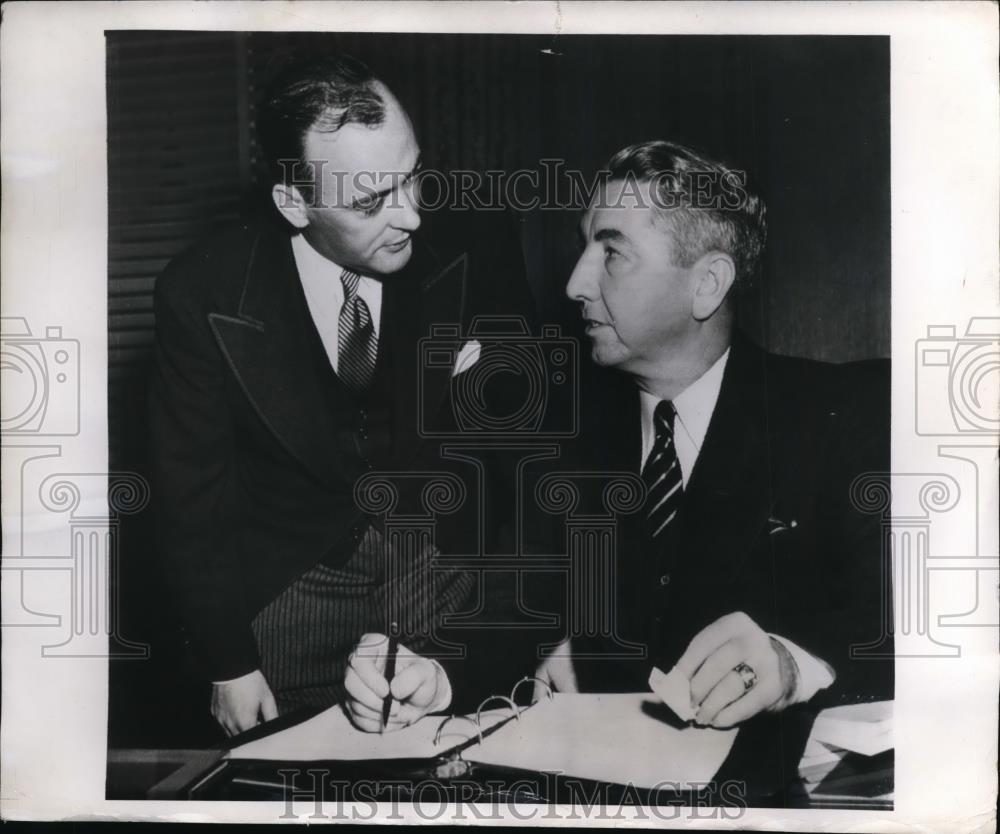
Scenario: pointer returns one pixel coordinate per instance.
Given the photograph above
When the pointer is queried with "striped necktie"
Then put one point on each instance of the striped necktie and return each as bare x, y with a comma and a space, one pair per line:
662, 473
357, 344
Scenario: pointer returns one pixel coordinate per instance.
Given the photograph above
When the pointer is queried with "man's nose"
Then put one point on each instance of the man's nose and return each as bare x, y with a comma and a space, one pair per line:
582, 282
406, 216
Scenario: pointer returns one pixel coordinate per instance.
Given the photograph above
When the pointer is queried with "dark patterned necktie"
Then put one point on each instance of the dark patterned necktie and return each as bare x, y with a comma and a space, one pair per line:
662, 473
357, 345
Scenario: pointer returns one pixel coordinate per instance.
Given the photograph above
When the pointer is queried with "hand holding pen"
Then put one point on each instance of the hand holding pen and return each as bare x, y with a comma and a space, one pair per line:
383, 696
390, 672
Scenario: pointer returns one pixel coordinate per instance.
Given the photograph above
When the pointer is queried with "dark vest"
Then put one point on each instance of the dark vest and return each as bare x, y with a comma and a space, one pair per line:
364, 420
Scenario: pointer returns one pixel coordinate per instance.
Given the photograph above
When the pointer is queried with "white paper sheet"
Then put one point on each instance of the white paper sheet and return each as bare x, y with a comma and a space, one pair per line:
614, 737
331, 736
623, 738
860, 728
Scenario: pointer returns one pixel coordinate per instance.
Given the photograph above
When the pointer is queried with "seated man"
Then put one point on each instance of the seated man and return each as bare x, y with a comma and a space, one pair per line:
748, 567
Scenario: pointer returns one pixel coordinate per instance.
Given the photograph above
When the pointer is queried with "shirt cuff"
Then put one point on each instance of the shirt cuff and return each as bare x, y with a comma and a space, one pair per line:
233, 680
813, 674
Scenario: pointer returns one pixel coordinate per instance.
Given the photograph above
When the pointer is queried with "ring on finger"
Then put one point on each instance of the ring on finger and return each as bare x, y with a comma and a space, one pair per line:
747, 675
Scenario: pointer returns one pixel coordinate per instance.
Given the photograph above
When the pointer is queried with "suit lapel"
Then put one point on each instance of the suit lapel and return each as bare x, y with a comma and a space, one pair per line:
442, 302
274, 350
424, 295
727, 499
276, 354
612, 443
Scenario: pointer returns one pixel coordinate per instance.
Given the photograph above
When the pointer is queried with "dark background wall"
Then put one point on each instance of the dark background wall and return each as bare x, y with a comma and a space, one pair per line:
808, 117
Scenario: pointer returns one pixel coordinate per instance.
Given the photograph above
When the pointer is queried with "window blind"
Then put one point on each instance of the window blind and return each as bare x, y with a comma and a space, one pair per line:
178, 162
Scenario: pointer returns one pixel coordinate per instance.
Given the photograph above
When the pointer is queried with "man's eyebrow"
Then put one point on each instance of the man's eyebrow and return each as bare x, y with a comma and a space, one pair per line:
370, 198
374, 196
602, 235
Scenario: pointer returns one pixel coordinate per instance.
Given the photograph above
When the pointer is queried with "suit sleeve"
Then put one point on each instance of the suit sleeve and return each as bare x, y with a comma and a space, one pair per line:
193, 481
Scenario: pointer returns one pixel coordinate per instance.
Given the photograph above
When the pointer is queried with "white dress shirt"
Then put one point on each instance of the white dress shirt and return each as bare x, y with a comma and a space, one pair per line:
325, 294
694, 407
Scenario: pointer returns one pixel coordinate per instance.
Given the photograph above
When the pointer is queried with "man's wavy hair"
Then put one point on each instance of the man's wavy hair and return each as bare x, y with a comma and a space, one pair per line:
705, 205
312, 92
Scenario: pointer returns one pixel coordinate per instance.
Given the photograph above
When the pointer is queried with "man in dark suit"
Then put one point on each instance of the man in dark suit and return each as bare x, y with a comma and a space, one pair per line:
749, 575
287, 368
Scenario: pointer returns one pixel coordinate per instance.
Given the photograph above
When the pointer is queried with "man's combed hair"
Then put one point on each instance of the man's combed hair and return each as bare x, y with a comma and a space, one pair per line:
706, 205
323, 93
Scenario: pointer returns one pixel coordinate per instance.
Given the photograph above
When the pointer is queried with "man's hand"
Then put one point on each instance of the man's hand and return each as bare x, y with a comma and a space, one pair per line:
724, 658
243, 703
420, 686
557, 671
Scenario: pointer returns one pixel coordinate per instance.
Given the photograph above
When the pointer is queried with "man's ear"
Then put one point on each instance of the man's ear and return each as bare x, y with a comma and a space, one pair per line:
715, 273
289, 201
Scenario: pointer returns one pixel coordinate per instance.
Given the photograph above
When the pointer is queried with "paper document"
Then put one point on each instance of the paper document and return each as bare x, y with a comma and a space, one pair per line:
623, 738
331, 736
860, 728
615, 738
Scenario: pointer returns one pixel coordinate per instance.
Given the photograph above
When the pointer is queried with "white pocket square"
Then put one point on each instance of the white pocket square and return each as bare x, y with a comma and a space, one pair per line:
467, 357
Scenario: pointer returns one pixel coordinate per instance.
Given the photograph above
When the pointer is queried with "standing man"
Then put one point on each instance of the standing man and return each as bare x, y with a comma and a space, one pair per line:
748, 569
286, 369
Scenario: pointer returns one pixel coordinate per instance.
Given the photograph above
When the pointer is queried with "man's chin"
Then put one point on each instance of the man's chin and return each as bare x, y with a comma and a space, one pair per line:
389, 262
606, 357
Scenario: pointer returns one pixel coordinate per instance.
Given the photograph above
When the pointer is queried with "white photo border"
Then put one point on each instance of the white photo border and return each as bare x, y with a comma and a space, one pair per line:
945, 216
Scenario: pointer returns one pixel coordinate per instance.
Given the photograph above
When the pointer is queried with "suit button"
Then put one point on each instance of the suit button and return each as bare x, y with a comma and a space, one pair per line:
665, 580
363, 433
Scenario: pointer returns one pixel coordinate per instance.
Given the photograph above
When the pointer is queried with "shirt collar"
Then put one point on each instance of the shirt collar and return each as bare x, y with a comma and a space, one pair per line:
694, 405
311, 263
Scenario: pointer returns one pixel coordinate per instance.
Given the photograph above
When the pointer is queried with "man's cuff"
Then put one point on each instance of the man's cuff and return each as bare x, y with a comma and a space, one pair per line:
235, 680
813, 674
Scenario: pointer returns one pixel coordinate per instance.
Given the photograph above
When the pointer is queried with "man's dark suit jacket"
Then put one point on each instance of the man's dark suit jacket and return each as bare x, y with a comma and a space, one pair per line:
251, 485
766, 525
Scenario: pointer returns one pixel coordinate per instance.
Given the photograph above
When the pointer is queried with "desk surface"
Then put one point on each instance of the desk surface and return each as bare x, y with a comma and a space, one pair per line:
847, 781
